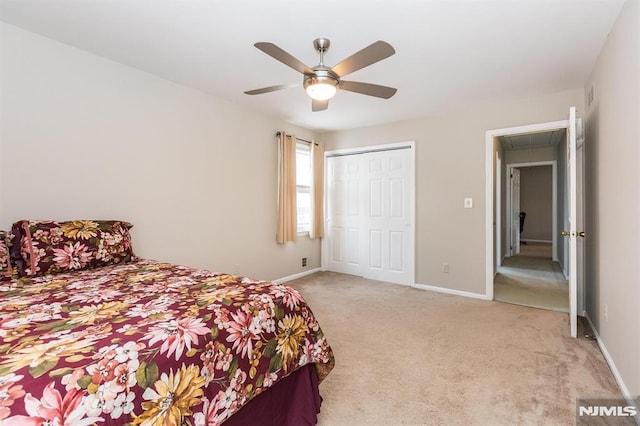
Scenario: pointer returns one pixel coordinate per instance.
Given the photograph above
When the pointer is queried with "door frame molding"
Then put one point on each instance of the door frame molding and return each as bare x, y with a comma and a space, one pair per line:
324, 247
554, 201
489, 186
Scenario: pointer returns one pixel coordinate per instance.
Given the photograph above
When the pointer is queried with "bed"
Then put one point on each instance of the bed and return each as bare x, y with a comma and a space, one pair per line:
91, 334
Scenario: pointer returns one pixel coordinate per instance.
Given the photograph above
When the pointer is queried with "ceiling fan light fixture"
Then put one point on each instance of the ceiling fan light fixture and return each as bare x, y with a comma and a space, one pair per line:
323, 85
321, 91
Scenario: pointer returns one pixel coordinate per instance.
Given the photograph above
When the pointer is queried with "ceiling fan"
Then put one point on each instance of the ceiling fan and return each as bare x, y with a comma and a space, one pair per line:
322, 82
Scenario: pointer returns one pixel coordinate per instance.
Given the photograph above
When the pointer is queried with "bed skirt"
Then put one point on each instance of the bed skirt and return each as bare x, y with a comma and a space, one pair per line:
293, 401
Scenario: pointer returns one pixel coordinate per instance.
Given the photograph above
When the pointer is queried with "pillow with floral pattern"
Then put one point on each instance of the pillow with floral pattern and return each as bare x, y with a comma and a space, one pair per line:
6, 270
48, 247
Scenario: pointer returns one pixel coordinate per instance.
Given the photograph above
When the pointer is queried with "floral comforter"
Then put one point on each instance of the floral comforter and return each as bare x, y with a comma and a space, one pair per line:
147, 343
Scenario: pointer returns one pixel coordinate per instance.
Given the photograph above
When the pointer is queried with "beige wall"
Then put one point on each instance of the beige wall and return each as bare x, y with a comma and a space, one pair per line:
613, 196
450, 165
84, 137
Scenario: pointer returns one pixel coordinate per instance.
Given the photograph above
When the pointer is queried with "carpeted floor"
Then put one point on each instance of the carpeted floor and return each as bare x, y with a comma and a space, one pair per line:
531, 278
412, 357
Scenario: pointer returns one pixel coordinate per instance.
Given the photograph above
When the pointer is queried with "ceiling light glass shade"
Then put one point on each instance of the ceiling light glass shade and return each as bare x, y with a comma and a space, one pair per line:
321, 91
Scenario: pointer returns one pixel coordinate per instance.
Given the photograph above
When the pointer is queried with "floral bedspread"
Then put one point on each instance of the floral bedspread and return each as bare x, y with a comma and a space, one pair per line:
147, 343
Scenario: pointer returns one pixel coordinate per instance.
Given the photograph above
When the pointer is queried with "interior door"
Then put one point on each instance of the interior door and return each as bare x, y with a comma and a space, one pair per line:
572, 233
515, 211
580, 219
370, 208
344, 215
387, 228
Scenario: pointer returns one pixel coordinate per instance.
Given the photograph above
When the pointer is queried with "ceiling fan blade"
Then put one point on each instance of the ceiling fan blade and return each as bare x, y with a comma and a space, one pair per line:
369, 55
271, 89
368, 89
319, 105
282, 56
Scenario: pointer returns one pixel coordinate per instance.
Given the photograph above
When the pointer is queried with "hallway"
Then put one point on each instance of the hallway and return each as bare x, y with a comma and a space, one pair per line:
531, 278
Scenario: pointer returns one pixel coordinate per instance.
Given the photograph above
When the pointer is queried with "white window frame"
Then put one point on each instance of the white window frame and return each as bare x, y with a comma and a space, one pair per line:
305, 148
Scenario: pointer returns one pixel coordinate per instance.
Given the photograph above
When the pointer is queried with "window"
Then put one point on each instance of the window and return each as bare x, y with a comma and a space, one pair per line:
303, 186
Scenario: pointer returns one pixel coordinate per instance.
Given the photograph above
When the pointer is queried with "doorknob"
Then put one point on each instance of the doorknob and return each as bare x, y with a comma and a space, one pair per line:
579, 234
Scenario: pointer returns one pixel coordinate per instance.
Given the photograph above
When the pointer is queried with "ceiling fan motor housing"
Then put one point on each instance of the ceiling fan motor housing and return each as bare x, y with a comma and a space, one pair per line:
321, 75
321, 44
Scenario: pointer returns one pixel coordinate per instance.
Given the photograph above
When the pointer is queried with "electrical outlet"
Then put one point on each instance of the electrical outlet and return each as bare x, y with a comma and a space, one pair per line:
606, 312
304, 261
445, 268
236, 269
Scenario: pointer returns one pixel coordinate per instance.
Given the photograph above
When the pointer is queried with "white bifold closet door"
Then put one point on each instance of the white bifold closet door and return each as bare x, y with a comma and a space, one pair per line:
370, 215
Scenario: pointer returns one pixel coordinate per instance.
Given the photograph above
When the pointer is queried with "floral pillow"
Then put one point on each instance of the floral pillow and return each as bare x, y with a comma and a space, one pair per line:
6, 271
49, 247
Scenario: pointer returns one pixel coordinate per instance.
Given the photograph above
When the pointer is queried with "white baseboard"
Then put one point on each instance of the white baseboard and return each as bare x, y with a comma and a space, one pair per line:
296, 276
527, 240
451, 291
607, 356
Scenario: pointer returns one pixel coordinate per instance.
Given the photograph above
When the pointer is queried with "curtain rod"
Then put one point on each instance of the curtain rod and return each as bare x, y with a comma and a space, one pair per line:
298, 139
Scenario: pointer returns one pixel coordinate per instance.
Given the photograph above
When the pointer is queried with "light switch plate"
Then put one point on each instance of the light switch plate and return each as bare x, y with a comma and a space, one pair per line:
468, 203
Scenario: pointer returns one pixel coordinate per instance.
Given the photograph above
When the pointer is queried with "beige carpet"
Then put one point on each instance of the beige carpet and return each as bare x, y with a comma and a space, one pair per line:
413, 357
531, 278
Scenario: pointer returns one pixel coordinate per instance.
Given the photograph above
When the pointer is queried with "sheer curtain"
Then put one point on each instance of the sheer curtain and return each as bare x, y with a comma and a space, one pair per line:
287, 210
317, 191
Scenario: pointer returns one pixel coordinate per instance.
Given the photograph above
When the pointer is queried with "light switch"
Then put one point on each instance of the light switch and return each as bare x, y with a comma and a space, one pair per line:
468, 203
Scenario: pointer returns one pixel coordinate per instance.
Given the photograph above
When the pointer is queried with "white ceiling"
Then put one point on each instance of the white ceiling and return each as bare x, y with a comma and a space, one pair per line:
449, 53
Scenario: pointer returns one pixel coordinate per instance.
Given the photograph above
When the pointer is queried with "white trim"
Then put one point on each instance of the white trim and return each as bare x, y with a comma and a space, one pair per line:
490, 269
537, 241
612, 365
554, 202
364, 149
296, 276
451, 291
498, 211
489, 234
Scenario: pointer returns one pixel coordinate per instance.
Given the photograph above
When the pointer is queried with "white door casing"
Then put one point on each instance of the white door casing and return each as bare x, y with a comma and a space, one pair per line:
497, 210
515, 211
370, 213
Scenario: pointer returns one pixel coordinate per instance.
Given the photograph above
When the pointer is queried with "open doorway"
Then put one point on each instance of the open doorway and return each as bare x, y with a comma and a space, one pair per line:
531, 202
529, 273
528, 269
